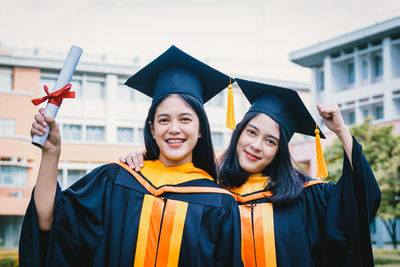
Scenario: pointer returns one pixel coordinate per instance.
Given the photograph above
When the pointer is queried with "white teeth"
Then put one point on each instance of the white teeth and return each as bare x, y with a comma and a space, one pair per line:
174, 141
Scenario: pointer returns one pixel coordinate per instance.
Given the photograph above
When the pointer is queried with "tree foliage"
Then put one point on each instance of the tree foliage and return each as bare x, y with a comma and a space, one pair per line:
382, 150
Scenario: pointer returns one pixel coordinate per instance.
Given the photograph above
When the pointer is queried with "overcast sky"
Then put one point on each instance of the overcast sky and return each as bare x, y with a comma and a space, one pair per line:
239, 37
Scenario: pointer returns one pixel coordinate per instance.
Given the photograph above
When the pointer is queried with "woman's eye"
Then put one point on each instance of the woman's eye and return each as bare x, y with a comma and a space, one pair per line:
251, 132
163, 120
186, 119
270, 141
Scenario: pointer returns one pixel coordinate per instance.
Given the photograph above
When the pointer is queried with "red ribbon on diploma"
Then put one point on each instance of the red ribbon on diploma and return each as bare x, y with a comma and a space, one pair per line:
56, 97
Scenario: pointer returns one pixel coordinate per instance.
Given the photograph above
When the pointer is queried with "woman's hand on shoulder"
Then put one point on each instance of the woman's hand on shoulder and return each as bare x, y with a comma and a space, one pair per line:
134, 160
53, 142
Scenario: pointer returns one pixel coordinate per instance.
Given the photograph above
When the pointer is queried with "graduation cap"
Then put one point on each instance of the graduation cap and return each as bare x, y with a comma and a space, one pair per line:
175, 72
286, 108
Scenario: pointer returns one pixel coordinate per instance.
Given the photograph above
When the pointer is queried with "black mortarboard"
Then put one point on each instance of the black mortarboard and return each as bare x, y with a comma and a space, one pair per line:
281, 104
174, 71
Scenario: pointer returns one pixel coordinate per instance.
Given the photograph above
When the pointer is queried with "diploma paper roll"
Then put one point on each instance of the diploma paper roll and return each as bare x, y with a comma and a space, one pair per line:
63, 79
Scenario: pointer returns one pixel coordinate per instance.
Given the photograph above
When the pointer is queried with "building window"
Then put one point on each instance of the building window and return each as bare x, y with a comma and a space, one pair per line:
5, 80
7, 127
140, 140
60, 178
352, 117
125, 93
124, 135
76, 86
378, 67
75, 175
335, 55
217, 101
321, 80
362, 46
364, 69
350, 73
376, 42
13, 176
72, 132
379, 112
10, 229
95, 133
365, 113
94, 90
217, 139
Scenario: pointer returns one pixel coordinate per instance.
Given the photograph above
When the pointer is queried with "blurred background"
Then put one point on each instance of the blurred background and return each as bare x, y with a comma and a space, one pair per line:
344, 52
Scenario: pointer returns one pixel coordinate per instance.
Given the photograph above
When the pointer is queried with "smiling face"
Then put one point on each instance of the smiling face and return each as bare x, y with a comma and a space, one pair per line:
258, 143
176, 130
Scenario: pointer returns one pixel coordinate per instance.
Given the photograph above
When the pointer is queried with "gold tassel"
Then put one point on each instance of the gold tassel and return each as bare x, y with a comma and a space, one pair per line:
230, 116
322, 171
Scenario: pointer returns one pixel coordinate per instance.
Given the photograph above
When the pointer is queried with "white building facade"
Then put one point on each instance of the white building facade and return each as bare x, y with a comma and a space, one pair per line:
360, 71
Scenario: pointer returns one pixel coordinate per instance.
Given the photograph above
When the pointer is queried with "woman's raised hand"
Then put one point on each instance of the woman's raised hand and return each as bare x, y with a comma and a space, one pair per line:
332, 117
334, 121
53, 142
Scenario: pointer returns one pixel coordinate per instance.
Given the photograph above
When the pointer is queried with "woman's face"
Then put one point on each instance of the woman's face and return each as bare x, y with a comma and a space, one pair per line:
258, 143
176, 130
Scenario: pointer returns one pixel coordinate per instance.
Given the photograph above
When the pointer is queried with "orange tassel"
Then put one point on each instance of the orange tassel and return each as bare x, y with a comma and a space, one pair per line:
322, 171
230, 116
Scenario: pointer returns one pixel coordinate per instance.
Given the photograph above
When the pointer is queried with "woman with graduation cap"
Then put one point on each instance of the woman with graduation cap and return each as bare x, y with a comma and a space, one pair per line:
288, 218
171, 213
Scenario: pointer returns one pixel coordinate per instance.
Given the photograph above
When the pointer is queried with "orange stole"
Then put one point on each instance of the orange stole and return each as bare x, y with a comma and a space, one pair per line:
258, 249
258, 234
160, 232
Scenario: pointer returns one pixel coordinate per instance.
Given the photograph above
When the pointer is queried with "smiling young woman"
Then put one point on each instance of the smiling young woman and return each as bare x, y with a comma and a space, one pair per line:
176, 130
259, 142
288, 218
171, 213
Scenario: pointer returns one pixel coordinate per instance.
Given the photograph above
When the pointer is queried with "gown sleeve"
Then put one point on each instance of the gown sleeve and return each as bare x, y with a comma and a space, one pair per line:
351, 208
76, 227
228, 244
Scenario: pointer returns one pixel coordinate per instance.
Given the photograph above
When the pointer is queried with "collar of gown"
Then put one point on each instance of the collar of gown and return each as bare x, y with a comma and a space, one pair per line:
159, 175
255, 183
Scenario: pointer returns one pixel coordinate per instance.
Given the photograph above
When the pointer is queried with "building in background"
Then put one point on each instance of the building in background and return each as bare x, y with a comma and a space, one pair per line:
360, 71
105, 121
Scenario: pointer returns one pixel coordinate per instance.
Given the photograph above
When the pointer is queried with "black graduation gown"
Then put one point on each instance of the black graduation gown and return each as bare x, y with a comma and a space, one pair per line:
115, 217
328, 225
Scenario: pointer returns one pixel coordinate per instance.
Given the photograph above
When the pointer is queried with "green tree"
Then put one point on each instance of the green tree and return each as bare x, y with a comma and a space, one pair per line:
382, 150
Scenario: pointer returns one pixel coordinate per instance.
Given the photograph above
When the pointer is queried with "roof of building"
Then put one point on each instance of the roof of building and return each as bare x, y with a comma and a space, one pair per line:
53, 60
313, 56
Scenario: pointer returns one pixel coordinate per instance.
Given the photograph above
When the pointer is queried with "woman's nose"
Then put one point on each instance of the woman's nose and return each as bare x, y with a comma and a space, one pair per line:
256, 144
174, 127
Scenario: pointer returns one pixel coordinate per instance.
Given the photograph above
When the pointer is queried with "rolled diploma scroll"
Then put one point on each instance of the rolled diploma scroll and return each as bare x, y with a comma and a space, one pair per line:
63, 79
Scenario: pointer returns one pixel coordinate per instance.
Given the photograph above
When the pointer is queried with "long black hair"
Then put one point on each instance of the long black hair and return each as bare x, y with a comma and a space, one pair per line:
286, 183
203, 156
